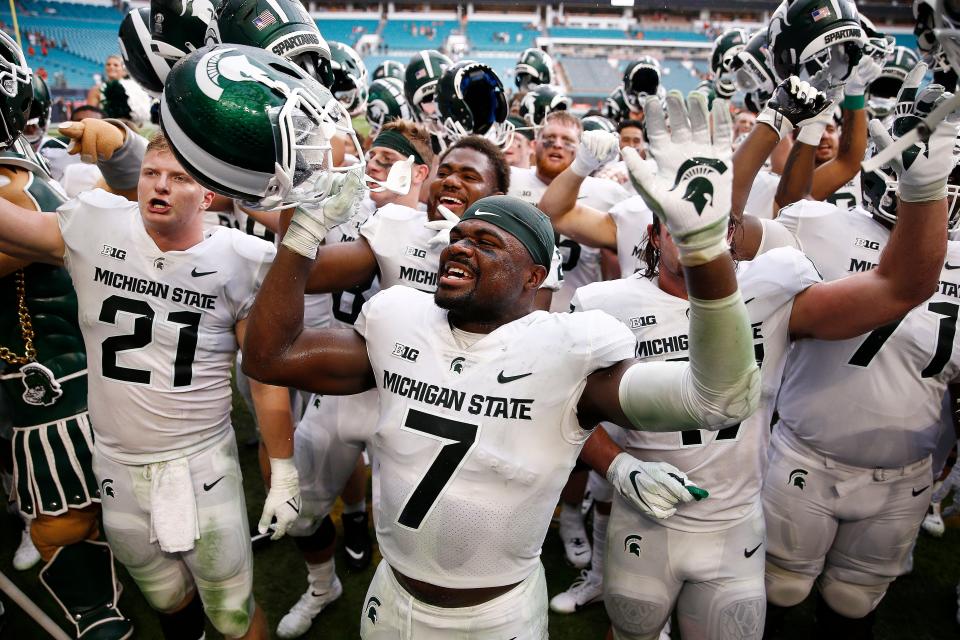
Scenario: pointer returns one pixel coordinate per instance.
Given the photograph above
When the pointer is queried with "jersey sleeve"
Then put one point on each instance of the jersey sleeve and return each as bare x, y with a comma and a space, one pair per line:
374, 306
370, 229
778, 276
775, 235
89, 210
609, 339
259, 254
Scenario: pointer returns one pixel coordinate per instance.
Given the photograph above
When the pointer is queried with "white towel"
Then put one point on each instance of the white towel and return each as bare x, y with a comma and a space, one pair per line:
173, 506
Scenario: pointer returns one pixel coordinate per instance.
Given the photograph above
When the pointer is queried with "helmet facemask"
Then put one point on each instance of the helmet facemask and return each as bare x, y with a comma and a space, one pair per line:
832, 66
880, 194
303, 130
947, 32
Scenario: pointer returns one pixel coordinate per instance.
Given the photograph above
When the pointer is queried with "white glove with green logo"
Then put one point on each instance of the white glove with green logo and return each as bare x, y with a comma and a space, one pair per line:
654, 488
690, 181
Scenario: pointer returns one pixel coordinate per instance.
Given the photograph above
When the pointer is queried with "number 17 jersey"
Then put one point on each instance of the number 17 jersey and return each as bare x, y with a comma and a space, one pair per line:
159, 327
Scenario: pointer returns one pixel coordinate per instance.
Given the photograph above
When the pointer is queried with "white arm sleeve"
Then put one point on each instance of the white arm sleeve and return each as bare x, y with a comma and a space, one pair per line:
718, 387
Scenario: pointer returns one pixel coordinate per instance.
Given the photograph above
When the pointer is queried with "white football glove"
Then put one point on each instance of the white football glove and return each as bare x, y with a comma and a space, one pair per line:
866, 71
922, 168
794, 103
689, 184
654, 488
283, 499
596, 149
442, 227
310, 224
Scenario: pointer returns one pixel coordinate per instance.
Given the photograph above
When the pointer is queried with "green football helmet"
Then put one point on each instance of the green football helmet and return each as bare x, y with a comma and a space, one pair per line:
616, 107
386, 102
17, 90
754, 75
641, 79
883, 91
38, 117
471, 101
420, 82
143, 65
818, 40
282, 27
349, 77
178, 27
724, 60
534, 67
540, 101
390, 69
253, 126
598, 123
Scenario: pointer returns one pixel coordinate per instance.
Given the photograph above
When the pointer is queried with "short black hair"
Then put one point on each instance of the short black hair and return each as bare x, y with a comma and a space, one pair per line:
624, 124
87, 107
480, 144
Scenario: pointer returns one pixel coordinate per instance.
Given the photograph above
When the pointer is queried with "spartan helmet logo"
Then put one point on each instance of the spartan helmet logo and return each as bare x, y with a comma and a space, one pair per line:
106, 488
159, 264
456, 365
226, 64
699, 188
371, 609
797, 478
41, 388
202, 9
631, 544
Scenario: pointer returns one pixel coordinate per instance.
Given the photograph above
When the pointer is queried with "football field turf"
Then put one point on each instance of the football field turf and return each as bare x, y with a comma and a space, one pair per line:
920, 606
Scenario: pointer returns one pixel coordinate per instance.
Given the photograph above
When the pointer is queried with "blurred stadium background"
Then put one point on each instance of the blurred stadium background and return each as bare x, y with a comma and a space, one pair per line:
68, 42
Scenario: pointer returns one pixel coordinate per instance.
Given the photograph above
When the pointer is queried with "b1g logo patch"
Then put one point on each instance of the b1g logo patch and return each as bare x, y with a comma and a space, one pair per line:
404, 352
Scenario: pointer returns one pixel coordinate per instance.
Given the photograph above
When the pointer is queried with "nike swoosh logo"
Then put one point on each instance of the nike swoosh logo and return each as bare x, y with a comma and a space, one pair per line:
295, 507
579, 553
502, 379
356, 555
633, 481
317, 595
748, 554
200, 274
951, 267
485, 213
750, 300
207, 487
916, 493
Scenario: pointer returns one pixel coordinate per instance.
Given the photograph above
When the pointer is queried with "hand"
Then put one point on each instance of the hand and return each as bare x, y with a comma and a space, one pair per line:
922, 168
689, 184
654, 488
866, 71
596, 149
311, 223
442, 227
93, 139
283, 499
794, 103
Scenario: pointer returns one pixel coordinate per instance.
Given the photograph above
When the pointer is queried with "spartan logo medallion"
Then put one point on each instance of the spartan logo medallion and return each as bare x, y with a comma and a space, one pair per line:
631, 544
699, 189
106, 488
456, 365
228, 65
41, 388
798, 478
371, 609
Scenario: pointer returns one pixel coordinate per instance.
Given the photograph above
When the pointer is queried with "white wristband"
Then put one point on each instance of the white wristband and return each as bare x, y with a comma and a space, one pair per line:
775, 121
811, 133
922, 193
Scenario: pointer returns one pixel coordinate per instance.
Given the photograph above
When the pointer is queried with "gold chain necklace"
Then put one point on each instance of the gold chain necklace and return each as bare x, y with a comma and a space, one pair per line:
26, 327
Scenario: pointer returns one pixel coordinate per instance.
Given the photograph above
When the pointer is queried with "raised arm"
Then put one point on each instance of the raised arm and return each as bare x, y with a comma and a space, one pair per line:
581, 223
33, 236
691, 193
278, 349
910, 265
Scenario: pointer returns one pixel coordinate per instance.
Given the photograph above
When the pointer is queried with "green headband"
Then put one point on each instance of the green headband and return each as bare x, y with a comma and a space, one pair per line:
523, 221
398, 142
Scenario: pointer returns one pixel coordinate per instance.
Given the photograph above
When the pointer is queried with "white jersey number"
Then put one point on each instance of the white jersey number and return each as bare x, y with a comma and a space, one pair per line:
142, 336
458, 440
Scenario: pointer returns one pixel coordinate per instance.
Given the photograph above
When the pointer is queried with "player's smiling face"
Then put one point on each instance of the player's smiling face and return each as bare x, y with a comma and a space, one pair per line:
463, 177
829, 144
168, 197
485, 274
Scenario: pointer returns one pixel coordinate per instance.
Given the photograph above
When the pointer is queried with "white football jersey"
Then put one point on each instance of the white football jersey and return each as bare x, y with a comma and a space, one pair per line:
581, 264
475, 443
762, 195
159, 327
849, 196
728, 463
874, 400
401, 244
632, 217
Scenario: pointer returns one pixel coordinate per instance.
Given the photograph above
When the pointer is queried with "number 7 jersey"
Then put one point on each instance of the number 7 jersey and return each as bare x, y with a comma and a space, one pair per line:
159, 327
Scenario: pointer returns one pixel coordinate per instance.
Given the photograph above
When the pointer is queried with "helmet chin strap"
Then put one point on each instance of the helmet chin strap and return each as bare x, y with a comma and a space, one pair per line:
398, 179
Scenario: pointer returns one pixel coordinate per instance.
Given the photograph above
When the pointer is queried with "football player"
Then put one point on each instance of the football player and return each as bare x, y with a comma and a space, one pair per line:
722, 595
464, 407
